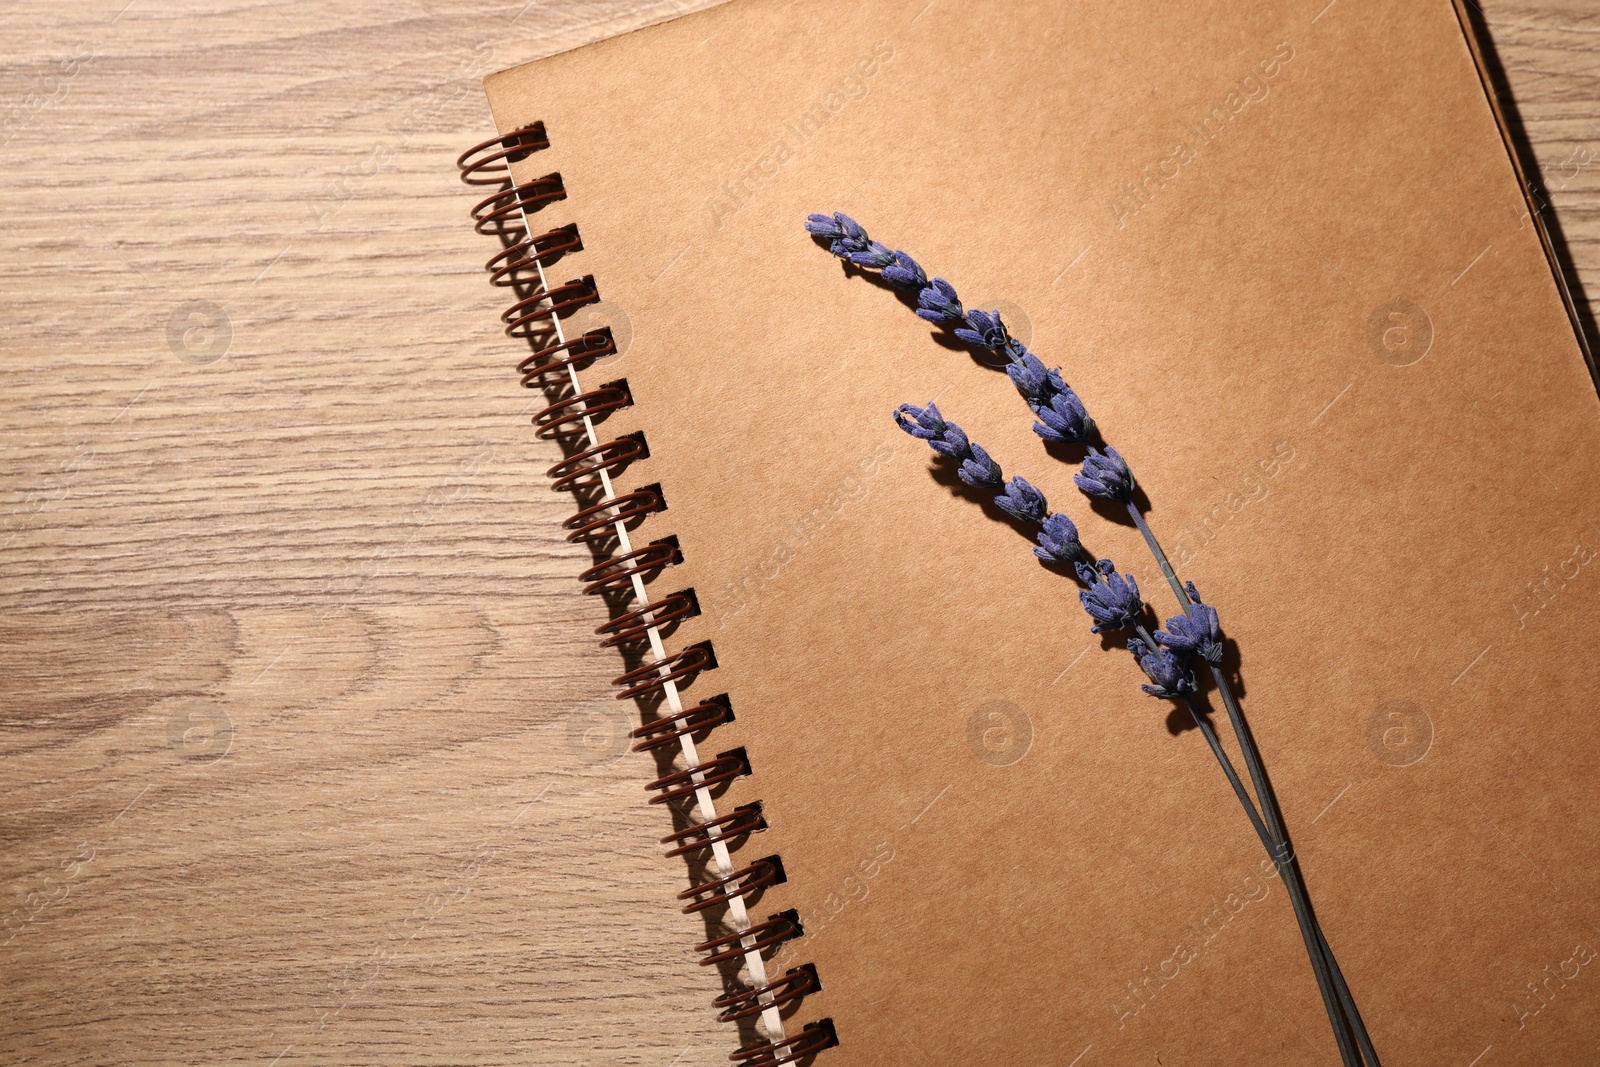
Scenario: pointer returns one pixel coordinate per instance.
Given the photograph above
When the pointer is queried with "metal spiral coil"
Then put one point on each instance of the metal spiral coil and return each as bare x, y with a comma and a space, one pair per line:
743, 820
632, 625
707, 774
813, 1039
743, 1003
657, 732
570, 419
740, 883
774, 931
486, 163
505, 265
503, 212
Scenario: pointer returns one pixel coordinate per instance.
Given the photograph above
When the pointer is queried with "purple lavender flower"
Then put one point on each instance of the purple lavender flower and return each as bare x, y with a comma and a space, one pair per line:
904, 273
979, 471
1112, 599
825, 226
926, 424
1105, 475
1198, 632
1058, 541
873, 255
1022, 501
1031, 379
1170, 677
1064, 419
938, 303
844, 232
984, 329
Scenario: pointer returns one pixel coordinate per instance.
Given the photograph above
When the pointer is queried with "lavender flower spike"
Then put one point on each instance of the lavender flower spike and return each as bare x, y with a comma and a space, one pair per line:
1032, 380
1058, 541
1172, 680
1112, 599
1063, 418
1022, 501
1105, 475
1198, 632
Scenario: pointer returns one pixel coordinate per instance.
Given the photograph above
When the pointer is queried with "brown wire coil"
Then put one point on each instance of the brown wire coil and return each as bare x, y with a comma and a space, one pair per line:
658, 732
743, 1003
520, 317
632, 625
540, 251
581, 470
808, 1042
745, 819
774, 931
617, 572
703, 775
487, 162
740, 883
567, 416
594, 520
672, 667
503, 212
568, 419
592, 345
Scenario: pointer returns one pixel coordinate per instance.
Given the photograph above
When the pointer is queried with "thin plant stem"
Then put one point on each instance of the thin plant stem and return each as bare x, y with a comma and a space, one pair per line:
1278, 846
1322, 952
1316, 945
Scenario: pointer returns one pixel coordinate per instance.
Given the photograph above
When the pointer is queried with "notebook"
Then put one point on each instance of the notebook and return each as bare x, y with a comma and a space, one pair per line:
1285, 255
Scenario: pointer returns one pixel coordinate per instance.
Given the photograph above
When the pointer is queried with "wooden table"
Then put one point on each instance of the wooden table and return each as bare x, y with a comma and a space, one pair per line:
309, 757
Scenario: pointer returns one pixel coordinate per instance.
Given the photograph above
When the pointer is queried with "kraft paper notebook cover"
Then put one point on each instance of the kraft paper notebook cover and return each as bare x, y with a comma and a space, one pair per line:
1283, 253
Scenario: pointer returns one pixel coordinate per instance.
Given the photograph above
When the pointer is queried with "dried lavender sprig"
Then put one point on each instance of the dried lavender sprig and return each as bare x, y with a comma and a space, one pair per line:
1113, 601
1062, 417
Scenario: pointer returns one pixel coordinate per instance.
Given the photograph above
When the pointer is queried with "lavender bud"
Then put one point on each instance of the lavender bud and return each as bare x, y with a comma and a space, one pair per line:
1058, 541
1030, 378
985, 330
1064, 419
1170, 677
1112, 600
1198, 632
927, 424
1105, 475
979, 471
938, 302
904, 273
818, 225
874, 255
845, 233
1022, 501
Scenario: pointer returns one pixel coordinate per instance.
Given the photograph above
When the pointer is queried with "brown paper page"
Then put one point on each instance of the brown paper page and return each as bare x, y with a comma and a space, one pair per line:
1282, 254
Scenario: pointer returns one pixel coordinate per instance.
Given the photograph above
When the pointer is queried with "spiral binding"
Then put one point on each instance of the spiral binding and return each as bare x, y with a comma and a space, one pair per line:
588, 468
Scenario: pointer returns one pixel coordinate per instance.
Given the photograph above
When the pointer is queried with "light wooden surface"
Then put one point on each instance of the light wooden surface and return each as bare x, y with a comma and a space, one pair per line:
308, 755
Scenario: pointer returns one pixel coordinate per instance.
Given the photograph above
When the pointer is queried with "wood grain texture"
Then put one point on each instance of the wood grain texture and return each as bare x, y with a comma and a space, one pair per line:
309, 756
